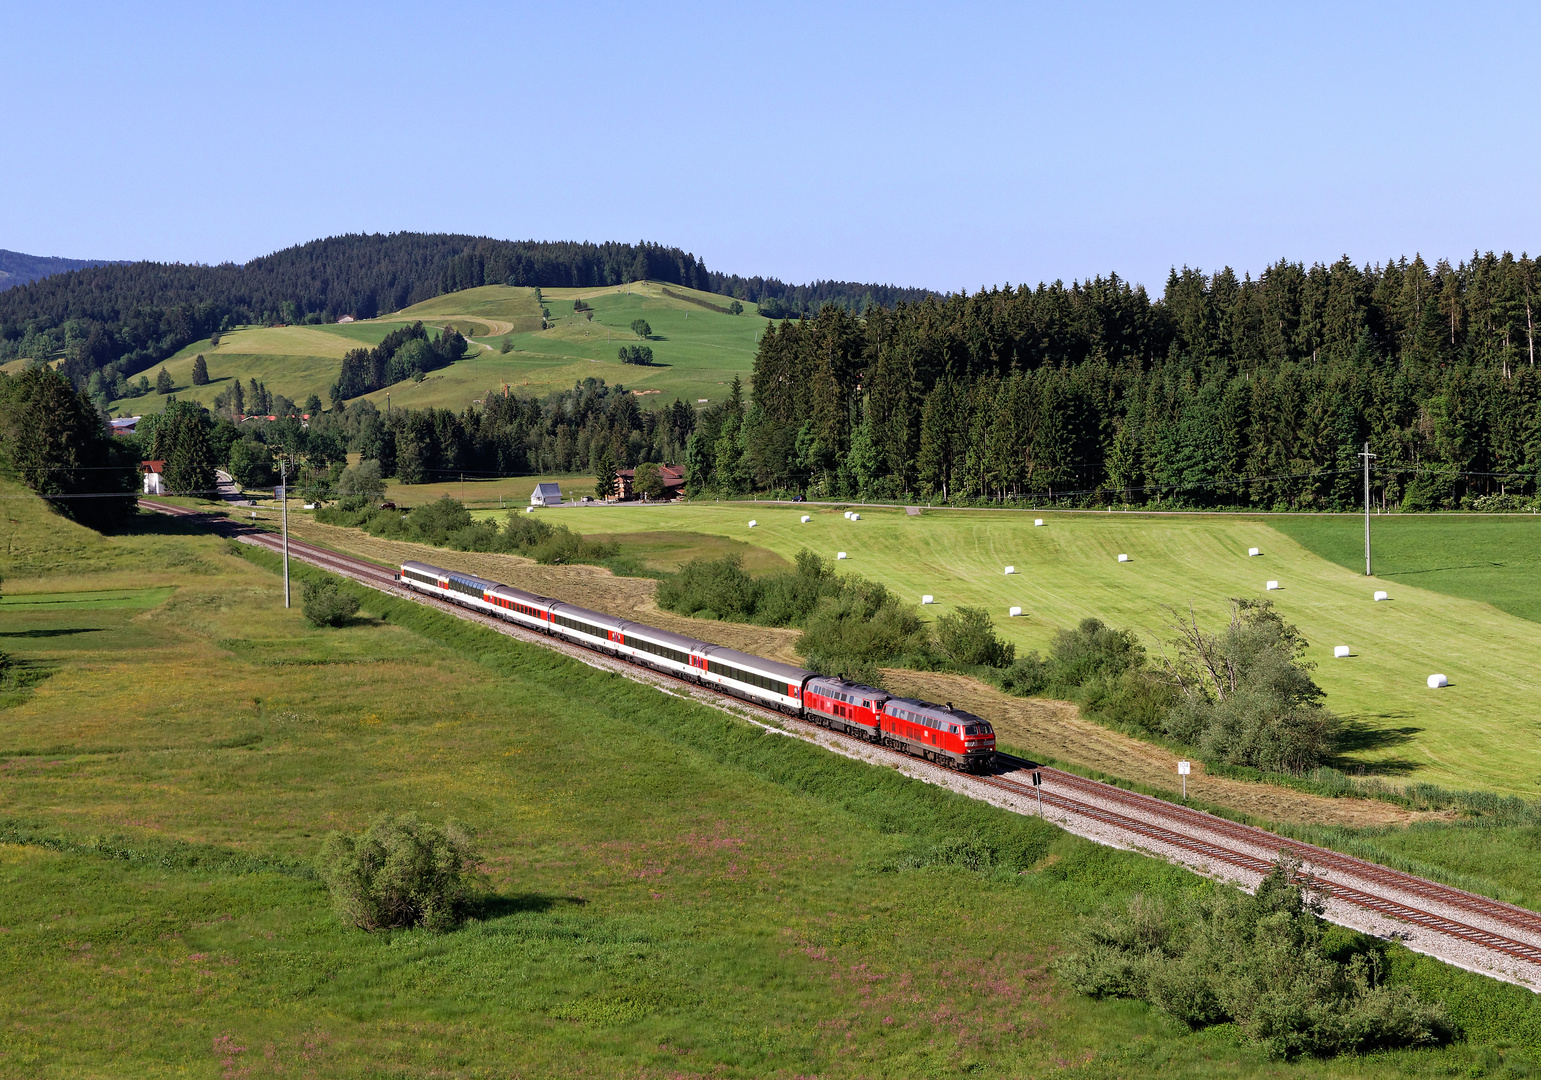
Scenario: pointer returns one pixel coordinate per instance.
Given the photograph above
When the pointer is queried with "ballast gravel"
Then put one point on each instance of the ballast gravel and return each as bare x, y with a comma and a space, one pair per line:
1452, 950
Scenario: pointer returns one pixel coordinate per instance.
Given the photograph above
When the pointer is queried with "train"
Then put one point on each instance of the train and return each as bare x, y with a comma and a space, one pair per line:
938, 733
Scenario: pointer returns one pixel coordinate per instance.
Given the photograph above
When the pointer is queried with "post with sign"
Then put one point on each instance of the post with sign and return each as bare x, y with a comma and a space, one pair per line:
1182, 771
283, 494
1038, 787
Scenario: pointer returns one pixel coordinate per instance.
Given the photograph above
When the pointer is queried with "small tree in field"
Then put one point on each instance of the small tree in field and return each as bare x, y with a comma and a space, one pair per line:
401, 872
200, 371
736, 308
163, 383
327, 605
641, 328
647, 481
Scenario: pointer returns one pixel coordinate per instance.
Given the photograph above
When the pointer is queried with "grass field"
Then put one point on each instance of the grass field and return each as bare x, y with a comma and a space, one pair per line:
1491, 558
697, 350
1480, 732
687, 897
295, 361
513, 491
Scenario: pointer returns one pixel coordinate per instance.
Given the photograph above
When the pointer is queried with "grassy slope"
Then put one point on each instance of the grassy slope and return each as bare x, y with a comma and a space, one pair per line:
295, 361
697, 350
1476, 733
1492, 559
686, 898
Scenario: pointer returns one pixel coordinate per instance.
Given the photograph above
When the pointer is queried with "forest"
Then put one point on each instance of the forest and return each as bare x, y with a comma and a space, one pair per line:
119, 320
1224, 391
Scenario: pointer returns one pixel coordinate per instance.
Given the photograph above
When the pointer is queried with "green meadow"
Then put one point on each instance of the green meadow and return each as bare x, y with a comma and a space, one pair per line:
667, 891
1479, 732
697, 349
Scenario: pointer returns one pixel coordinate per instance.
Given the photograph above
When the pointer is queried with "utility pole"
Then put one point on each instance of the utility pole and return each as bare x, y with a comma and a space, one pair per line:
283, 474
1368, 457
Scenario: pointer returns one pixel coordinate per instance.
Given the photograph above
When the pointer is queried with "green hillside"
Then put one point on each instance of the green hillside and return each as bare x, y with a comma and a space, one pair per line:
697, 348
1478, 732
295, 361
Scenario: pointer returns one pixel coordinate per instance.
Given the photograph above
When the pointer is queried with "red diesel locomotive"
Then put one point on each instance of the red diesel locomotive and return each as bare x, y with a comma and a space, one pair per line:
937, 733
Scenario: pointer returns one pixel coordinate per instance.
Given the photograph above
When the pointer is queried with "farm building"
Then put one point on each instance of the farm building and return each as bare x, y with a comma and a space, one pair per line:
154, 473
673, 477
123, 425
546, 494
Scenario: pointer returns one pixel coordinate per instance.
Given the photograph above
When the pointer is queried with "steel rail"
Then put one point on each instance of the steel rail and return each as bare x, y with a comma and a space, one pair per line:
1178, 816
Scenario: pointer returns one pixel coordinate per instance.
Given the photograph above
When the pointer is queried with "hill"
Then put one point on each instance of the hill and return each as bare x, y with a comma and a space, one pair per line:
127, 318
19, 269
698, 347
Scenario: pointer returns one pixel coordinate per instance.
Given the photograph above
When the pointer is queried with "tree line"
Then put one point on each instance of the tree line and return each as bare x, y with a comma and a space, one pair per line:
121, 319
1224, 391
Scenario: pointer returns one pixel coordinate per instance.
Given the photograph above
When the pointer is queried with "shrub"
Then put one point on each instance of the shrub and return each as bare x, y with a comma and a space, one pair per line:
402, 872
1247, 697
327, 605
1267, 963
968, 637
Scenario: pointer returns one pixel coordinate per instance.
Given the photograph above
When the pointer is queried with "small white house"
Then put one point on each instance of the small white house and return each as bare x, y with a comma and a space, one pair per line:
546, 494
154, 477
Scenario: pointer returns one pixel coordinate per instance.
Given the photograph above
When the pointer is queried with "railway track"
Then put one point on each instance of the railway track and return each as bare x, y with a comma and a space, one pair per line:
1440, 910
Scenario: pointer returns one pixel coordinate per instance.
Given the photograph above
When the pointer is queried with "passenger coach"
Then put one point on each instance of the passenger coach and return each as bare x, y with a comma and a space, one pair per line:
937, 733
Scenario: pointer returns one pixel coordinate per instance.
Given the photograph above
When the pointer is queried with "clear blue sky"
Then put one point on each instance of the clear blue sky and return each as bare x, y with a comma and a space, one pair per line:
944, 146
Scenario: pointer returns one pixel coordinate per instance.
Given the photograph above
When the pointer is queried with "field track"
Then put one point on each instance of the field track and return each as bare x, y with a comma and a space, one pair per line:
1461, 928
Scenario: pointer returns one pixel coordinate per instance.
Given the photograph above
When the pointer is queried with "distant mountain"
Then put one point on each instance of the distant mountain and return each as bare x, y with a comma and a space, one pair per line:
18, 269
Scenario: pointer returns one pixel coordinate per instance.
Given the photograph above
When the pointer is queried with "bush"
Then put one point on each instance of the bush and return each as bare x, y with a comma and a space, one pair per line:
1267, 963
327, 605
968, 637
447, 523
400, 873
1503, 504
850, 624
1247, 697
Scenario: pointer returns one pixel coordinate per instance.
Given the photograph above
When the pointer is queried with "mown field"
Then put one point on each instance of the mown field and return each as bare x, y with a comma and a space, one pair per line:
697, 350
1477, 733
1494, 559
685, 897
295, 361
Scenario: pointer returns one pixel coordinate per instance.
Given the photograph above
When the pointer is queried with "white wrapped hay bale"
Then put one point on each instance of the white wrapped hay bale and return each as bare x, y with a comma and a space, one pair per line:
846, 515
1381, 595
839, 554
1012, 613
1123, 558
1011, 569
855, 517
1436, 681
928, 599
1339, 651
753, 523
1037, 522
1271, 586
1253, 551
806, 519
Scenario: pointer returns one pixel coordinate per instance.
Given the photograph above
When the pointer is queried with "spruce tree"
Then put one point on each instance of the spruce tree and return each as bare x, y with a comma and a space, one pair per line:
163, 383
200, 371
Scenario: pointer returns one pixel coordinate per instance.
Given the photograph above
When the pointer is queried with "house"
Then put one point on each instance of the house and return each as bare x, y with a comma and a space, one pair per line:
123, 425
546, 495
154, 477
346, 319
673, 477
